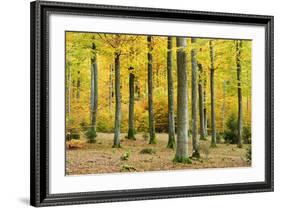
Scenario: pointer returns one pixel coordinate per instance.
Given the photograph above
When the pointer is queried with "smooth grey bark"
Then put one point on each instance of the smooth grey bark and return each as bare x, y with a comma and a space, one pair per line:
110, 92
131, 129
94, 93
152, 139
213, 111
240, 113
194, 85
182, 114
78, 86
201, 104
171, 116
117, 128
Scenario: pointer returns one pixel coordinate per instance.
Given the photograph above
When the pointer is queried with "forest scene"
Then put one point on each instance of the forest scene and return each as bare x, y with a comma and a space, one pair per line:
137, 103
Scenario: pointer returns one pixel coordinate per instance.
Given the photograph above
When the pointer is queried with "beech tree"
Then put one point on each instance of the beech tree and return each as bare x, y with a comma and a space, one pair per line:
201, 103
152, 138
212, 83
195, 141
94, 92
182, 113
117, 123
131, 128
170, 82
223, 105
78, 86
205, 108
110, 91
239, 89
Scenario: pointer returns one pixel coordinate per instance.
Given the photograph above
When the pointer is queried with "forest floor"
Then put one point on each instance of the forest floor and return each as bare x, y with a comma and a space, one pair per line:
102, 158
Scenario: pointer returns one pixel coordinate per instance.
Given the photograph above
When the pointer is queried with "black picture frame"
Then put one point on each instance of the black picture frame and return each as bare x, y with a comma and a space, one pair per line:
39, 86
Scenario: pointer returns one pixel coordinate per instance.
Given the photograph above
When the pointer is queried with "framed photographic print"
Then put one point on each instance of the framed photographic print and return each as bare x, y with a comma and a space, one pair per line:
131, 103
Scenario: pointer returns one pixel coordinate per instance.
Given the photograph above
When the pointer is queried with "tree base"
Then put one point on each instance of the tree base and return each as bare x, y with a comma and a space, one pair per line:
131, 134
239, 145
171, 144
213, 145
153, 140
182, 159
131, 138
196, 155
203, 138
116, 146
92, 141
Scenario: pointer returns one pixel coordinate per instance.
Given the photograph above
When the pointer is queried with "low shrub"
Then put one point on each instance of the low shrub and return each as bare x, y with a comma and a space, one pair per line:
91, 135
125, 156
231, 133
148, 151
127, 168
105, 121
247, 135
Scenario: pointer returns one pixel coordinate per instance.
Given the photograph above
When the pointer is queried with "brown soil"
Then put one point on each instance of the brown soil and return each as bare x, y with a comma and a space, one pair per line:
102, 158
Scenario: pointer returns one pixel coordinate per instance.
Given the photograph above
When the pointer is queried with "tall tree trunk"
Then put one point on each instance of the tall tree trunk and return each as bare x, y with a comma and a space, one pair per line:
204, 106
201, 104
137, 87
195, 141
240, 113
223, 106
182, 114
73, 89
78, 86
131, 130
171, 119
94, 94
117, 129
69, 92
110, 87
213, 111
152, 139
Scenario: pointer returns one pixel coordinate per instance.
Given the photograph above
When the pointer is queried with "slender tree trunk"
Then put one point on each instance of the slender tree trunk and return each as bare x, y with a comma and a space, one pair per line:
110, 87
171, 119
78, 86
73, 89
195, 141
182, 114
223, 106
117, 129
201, 104
157, 75
137, 87
213, 111
205, 107
69, 92
240, 113
94, 94
131, 130
152, 139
